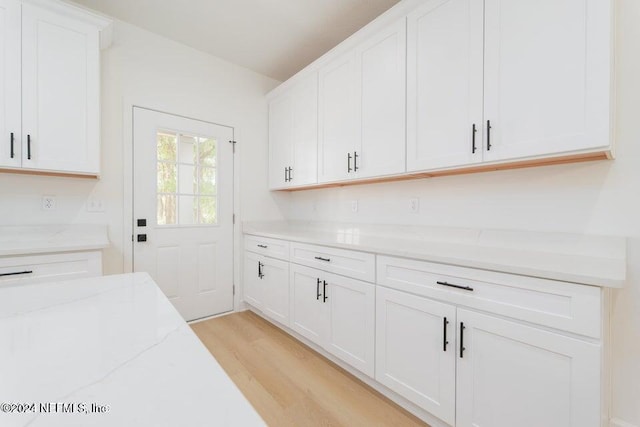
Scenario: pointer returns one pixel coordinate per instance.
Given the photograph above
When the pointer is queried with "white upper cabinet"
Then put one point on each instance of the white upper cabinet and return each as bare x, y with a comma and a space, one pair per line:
547, 77
337, 119
444, 84
381, 100
280, 140
10, 124
49, 87
439, 86
362, 109
293, 136
60, 92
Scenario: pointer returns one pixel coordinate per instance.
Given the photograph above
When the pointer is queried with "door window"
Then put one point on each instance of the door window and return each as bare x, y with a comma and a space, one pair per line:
186, 179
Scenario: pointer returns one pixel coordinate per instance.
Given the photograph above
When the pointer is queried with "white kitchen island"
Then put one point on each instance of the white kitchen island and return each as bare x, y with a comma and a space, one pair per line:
113, 345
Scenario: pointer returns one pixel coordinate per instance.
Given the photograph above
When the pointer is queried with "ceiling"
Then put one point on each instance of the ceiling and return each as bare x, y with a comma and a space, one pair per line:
276, 38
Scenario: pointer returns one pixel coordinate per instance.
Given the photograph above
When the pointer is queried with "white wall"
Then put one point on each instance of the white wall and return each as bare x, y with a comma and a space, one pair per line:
144, 68
599, 197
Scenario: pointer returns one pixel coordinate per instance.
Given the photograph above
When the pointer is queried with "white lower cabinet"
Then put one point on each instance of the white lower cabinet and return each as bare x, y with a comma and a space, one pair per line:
476, 370
472, 348
335, 312
415, 350
50, 267
515, 375
266, 285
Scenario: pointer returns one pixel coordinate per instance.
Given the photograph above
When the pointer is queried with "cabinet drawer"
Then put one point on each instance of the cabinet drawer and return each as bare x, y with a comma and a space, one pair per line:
565, 306
266, 246
50, 267
359, 265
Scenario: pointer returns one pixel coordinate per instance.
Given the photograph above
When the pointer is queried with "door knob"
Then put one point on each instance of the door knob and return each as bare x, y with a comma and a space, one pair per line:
142, 237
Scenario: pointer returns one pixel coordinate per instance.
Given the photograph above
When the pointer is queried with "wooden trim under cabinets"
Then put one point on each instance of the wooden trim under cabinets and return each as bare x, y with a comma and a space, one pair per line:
573, 158
46, 173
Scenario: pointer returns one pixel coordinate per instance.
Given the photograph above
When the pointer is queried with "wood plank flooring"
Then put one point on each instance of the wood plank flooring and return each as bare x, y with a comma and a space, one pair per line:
290, 384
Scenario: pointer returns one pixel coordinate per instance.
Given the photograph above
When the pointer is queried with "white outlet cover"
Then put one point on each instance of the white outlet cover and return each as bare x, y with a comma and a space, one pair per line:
48, 203
414, 205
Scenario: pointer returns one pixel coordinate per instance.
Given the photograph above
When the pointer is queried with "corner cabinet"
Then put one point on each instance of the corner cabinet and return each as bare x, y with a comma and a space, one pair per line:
52, 51
266, 280
293, 136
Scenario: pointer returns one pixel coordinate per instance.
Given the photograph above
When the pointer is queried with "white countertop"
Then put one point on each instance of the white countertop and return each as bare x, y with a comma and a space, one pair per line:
578, 258
23, 240
112, 340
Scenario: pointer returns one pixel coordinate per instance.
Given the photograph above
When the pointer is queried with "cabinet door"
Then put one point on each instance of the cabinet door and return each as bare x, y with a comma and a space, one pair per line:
275, 294
382, 75
444, 84
515, 375
415, 350
10, 97
547, 76
337, 118
60, 88
305, 133
253, 283
308, 313
351, 321
280, 140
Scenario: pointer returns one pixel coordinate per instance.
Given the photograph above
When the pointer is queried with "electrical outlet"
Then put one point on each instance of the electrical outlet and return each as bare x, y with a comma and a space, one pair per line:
354, 206
414, 205
94, 205
48, 203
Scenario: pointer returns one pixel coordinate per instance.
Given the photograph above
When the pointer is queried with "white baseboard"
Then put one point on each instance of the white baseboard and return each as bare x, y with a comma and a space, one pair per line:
615, 422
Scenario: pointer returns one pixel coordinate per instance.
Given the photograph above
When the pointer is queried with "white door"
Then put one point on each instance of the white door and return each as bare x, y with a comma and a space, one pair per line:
308, 313
275, 293
280, 140
547, 76
351, 320
305, 133
416, 350
60, 92
381, 60
515, 375
444, 84
337, 119
252, 279
10, 97
183, 189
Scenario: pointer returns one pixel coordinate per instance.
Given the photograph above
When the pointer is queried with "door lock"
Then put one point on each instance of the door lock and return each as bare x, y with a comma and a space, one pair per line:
142, 237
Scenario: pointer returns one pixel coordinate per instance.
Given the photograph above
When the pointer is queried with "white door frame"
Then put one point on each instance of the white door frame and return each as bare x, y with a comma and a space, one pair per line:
127, 163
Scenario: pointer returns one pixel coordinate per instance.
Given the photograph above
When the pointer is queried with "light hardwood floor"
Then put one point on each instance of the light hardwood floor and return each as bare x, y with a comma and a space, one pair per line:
290, 384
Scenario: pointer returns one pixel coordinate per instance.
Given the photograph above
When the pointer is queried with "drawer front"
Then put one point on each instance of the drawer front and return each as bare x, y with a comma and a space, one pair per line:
49, 267
359, 265
565, 306
265, 246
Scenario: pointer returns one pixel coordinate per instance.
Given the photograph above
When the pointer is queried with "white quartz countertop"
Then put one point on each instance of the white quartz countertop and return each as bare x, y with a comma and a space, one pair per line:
111, 341
578, 258
23, 240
